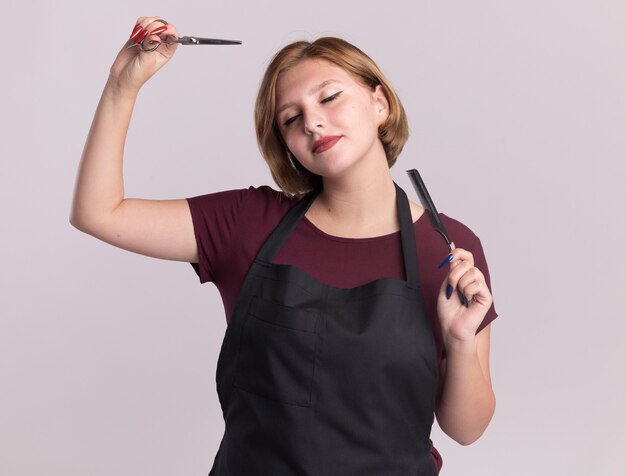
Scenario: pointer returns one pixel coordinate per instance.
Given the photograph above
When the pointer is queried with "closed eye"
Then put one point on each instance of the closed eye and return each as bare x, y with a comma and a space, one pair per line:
326, 100
290, 120
332, 97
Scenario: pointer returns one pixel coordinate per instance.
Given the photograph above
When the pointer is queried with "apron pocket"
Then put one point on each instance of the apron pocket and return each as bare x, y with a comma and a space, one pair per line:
277, 352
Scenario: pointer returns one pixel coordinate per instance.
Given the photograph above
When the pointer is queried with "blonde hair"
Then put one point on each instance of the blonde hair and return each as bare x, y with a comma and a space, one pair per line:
290, 176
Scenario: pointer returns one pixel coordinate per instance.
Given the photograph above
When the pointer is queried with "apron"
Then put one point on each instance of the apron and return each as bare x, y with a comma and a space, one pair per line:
324, 381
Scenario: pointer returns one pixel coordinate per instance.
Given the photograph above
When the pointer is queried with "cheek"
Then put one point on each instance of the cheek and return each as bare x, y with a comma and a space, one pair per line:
292, 142
285, 133
362, 111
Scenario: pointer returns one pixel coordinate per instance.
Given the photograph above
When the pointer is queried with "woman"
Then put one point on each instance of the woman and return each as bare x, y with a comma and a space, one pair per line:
345, 337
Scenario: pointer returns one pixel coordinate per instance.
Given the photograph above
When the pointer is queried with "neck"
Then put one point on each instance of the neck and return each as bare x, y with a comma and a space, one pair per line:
359, 205
359, 199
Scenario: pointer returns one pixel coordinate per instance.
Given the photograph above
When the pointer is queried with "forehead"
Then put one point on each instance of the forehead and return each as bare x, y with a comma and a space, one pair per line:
306, 76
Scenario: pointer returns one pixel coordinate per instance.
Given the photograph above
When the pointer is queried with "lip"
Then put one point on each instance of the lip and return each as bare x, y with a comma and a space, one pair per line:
324, 143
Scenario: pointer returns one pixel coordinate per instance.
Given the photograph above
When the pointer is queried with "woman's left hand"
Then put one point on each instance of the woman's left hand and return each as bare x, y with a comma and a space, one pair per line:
459, 323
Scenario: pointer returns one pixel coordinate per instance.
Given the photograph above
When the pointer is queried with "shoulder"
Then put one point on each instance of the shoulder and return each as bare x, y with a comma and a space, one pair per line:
268, 198
245, 209
263, 193
458, 232
433, 248
461, 234
464, 237
252, 199
233, 220
263, 207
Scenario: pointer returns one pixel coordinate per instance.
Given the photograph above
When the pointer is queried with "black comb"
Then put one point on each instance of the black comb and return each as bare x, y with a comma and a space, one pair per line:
428, 204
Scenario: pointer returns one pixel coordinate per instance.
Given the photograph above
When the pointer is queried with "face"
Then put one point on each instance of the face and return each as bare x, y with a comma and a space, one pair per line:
329, 120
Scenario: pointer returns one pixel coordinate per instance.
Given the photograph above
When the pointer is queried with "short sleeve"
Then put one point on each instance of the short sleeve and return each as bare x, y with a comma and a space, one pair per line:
230, 227
480, 262
214, 219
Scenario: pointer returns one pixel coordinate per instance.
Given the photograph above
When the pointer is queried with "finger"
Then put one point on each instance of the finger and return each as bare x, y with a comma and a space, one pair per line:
476, 290
455, 274
455, 256
144, 21
472, 290
136, 31
147, 21
147, 25
138, 28
471, 275
160, 38
470, 281
479, 293
160, 32
460, 254
450, 283
447, 290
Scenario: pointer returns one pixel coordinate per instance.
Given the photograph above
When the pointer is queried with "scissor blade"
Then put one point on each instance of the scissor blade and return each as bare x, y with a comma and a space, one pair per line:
195, 40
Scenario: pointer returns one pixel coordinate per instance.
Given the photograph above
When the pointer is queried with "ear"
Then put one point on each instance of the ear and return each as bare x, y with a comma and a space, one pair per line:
381, 104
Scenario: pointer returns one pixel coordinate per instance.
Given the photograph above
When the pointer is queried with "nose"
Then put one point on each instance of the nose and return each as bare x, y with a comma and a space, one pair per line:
313, 121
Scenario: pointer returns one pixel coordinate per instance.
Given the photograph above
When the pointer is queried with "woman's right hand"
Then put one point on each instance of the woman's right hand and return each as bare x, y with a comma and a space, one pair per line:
133, 67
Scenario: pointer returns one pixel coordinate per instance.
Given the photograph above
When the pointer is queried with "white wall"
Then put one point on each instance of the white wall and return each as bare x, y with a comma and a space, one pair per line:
518, 118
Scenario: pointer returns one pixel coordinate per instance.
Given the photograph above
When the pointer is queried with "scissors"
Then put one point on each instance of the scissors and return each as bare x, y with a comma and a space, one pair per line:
429, 205
183, 40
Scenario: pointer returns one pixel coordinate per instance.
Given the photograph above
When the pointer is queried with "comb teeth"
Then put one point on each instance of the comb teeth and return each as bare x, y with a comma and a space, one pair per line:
428, 203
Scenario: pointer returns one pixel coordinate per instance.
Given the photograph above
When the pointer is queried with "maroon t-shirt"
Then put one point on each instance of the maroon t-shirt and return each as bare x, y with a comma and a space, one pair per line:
231, 226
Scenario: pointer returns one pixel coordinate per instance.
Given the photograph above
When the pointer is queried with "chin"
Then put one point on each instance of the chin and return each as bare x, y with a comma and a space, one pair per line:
333, 167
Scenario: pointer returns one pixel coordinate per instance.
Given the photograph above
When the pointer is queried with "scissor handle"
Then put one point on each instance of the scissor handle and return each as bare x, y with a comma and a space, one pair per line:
184, 40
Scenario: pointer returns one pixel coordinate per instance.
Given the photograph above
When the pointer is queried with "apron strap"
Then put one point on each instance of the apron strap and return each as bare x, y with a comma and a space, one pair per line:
281, 233
409, 251
279, 236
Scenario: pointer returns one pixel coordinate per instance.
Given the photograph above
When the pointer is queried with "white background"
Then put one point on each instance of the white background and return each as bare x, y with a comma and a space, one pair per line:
517, 115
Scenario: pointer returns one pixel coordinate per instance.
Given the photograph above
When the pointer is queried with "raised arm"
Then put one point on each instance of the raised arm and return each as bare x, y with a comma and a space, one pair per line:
158, 228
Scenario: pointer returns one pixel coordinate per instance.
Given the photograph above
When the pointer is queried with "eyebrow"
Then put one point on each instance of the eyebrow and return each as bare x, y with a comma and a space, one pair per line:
313, 90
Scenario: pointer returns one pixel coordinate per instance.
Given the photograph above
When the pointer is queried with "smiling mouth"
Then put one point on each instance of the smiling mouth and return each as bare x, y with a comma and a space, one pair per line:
324, 144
